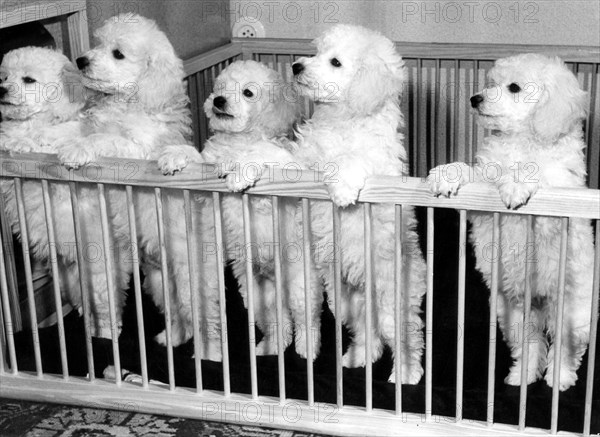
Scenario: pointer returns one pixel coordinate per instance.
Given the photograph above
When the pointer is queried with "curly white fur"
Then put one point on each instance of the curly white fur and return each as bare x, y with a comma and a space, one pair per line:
143, 103
250, 117
356, 79
142, 107
41, 109
536, 107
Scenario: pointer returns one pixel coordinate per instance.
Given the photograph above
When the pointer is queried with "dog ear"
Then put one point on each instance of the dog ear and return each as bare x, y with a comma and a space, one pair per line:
282, 111
73, 93
561, 106
162, 83
375, 82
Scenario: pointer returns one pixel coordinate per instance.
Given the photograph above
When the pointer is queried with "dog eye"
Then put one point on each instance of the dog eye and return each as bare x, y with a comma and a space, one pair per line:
28, 79
336, 63
117, 54
248, 93
514, 88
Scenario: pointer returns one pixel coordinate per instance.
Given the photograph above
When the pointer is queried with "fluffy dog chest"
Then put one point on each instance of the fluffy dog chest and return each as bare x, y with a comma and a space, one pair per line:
549, 165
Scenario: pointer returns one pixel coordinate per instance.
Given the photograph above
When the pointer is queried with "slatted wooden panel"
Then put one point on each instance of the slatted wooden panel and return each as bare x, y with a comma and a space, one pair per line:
178, 401
440, 127
442, 77
200, 84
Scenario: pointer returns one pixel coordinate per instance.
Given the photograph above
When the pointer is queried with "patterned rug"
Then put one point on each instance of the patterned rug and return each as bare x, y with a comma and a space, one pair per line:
20, 418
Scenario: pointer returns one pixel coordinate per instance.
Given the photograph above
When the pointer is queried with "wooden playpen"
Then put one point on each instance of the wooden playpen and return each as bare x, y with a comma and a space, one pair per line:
439, 129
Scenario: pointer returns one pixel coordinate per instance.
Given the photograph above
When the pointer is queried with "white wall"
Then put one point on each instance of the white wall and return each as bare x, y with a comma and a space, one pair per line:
560, 22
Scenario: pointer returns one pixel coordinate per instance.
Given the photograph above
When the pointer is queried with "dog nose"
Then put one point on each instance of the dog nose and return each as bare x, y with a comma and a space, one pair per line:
3, 92
297, 68
219, 102
83, 62
476, 100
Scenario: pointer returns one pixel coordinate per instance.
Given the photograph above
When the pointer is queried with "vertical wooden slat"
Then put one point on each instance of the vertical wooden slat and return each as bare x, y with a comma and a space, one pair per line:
164, 269
398, 306
7, 315
206, 88
110, 285
593, 148
28, 275
368, 307
495, 259
137, 287
592, 93
560, 305
202, 121
412, 116
55, 278
433, 145
525, 327
192, 248
250, 285
10, 268
475, 134
278, 297
78, 33
460, 322
429, 317
308, 300
221, 284
196, 106
337, 284
3, 363
274, 64
422, 154
589, 385
454, 144
83, 281
213, 74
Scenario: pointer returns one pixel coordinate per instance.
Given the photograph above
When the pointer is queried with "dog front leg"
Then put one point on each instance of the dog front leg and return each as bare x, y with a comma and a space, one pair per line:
510, 319
175, 158
82, 151
347, 180
518, 184
447, 179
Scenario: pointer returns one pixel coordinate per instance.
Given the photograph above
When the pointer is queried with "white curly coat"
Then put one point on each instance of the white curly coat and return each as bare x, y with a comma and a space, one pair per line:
38, 114
356, 80
250, 127
538, 142
143, 103
141, 107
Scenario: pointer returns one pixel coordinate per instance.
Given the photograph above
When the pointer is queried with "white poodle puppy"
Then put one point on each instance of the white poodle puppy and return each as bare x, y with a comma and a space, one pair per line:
142, 107
535, 108
356, 81
40, 99
143, 104
250, 117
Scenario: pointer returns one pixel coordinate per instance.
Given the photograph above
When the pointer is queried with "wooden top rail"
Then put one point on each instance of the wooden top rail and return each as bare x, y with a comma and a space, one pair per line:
290, 182
480, 52
14, 12
490, 52
211, 58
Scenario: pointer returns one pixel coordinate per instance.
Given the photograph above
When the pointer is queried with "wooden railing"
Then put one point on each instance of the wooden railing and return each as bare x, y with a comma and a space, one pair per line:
290, 182
282, 182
